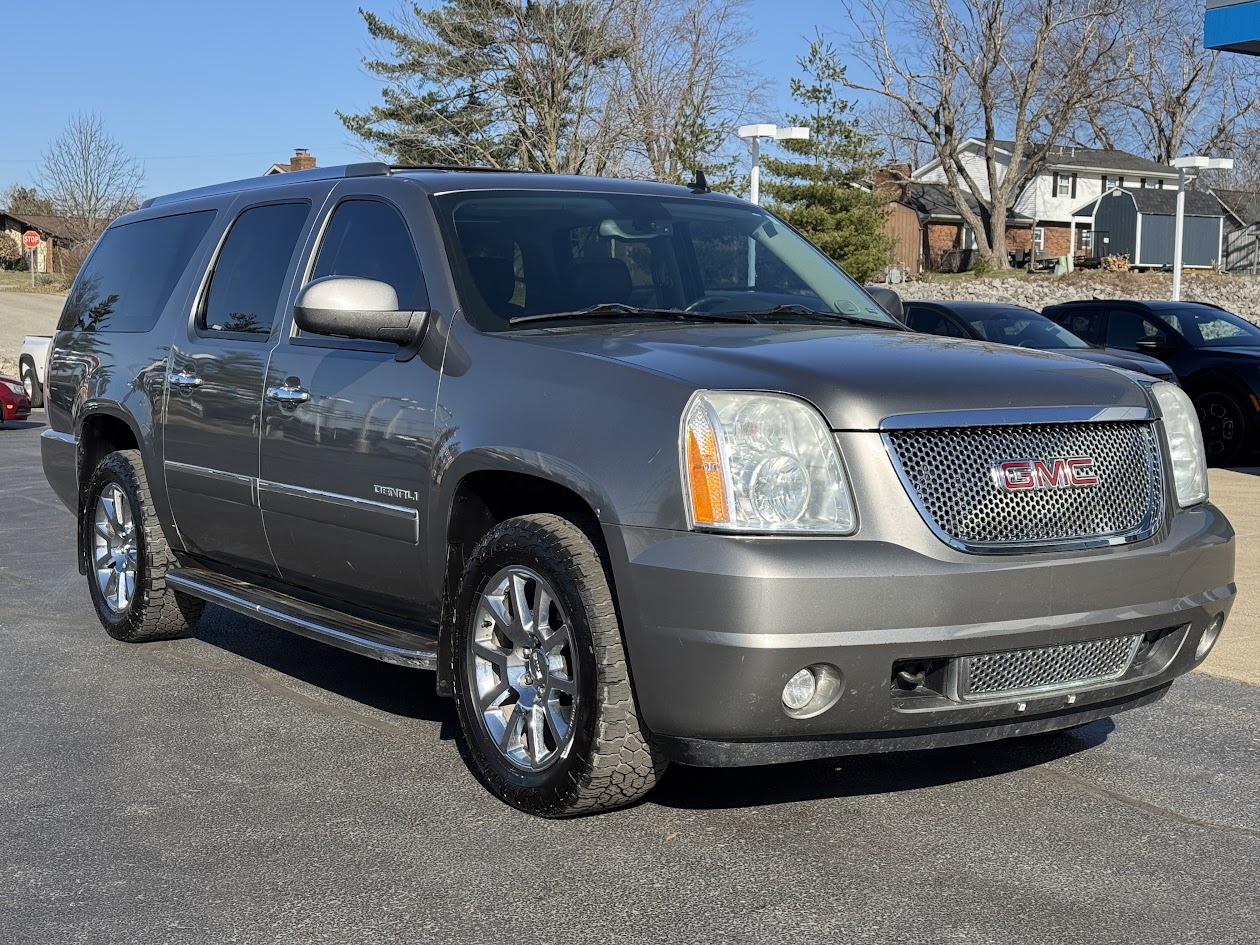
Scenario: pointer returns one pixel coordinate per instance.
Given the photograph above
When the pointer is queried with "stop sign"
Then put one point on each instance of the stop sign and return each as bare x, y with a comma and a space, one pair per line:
30, 239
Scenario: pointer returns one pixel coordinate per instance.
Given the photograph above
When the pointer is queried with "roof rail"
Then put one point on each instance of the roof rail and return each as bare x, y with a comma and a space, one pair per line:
459, 167
336, 172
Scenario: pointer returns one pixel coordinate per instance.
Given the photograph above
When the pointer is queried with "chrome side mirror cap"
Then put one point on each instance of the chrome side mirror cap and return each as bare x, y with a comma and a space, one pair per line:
355, 307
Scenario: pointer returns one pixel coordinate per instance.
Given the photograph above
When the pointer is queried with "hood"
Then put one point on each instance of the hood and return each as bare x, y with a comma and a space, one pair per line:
855, 376
1118, 357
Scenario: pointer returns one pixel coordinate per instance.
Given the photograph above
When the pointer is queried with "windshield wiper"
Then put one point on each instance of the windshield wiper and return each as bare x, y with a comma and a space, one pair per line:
621, 310
796, 309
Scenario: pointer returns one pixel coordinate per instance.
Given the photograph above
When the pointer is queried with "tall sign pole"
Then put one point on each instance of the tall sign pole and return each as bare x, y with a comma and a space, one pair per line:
30, 239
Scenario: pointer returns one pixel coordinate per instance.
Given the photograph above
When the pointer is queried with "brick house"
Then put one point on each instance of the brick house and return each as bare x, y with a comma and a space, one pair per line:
302, 160
52, 230
1045, 216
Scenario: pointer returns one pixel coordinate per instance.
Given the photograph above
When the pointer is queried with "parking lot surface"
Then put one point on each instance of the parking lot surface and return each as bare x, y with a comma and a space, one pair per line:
244, 785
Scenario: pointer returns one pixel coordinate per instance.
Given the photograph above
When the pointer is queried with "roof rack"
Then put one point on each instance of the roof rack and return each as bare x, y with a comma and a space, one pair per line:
335, 172
460, 167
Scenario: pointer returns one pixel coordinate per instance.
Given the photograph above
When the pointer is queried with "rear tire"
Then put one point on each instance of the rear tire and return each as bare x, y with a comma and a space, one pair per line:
31, 382
546, 709
128, 557
1224, 424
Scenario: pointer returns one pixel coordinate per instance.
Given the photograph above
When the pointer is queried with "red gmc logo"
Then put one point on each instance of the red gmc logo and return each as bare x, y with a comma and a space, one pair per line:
1071, 472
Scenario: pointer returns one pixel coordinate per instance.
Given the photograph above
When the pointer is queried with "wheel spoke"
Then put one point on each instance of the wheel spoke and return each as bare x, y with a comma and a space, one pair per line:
126, 588
562, 684
515, 721
103, 531
494, 697
542, 611
559, 726
103, 557
490, 654
524, 618
538, 750
496, 606
551, 645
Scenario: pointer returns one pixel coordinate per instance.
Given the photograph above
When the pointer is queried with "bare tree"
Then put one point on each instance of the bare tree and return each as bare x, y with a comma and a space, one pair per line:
682, 85
1178, 97
900, 139
89, 177
1017, 69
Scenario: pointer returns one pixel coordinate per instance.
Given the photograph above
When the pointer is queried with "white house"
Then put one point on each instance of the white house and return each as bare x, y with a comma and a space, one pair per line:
1044, 214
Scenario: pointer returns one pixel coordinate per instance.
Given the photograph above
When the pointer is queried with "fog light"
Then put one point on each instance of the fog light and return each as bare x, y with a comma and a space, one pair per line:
1206, 642
800, 689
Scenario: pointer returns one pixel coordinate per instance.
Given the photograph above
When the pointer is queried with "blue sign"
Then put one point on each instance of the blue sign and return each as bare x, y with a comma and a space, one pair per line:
1233, 25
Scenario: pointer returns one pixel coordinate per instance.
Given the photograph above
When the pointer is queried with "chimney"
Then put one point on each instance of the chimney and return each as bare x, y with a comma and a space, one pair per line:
892, 177
301, 160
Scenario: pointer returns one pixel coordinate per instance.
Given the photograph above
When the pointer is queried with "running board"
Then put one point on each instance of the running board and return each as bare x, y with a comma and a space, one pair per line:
381, 642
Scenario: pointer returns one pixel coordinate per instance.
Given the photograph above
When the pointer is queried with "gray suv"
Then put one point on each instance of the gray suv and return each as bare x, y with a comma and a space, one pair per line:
637, 471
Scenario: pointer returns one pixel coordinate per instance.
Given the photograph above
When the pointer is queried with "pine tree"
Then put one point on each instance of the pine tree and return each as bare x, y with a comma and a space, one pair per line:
816, 188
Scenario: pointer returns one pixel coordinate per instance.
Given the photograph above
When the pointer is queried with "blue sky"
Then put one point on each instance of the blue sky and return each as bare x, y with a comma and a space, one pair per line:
204, 92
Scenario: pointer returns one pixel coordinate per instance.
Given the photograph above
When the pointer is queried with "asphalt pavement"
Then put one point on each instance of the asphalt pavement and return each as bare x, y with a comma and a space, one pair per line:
244, 785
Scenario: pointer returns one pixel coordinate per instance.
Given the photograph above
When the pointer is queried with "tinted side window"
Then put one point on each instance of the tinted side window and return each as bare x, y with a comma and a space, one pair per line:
249, 273
130, 276
1126, 328
932, 323
1084, 323
369, 238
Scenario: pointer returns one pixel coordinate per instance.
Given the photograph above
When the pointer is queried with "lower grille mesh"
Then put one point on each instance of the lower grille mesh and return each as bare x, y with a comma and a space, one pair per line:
993, 674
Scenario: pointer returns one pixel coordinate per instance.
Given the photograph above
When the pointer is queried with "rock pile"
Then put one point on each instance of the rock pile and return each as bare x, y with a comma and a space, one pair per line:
1240, 294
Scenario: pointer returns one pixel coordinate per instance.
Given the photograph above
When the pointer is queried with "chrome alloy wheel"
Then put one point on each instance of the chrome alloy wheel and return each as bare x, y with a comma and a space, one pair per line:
114, 549
524, 679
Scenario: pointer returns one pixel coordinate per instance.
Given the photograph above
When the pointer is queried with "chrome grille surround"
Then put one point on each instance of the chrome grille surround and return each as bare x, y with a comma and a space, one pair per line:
948, 473
1024, 672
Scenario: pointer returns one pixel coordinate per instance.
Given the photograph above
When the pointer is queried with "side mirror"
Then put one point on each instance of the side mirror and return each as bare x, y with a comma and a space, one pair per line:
354, 307
1155, 345
888, 300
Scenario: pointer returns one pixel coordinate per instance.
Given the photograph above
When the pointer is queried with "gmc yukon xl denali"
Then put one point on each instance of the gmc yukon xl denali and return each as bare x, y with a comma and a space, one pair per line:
637, 471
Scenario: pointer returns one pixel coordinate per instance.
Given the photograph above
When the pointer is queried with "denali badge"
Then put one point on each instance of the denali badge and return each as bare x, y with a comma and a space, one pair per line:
1068, 473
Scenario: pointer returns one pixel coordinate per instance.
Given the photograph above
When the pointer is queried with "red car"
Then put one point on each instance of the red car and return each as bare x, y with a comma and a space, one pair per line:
14, 404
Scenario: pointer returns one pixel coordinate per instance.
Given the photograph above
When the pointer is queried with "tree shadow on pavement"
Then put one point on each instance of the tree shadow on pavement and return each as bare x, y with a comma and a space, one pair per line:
21, 424
860, 775
397, 690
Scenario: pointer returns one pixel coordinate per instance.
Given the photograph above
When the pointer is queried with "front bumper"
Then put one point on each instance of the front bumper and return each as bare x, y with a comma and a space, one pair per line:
716, 625
14, 409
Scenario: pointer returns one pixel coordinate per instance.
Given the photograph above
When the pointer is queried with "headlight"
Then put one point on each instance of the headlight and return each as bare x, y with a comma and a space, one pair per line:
16, 388
756, 462
1185, 443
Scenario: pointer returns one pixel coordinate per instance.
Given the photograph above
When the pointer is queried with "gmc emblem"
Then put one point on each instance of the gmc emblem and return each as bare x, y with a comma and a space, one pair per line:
1072, 472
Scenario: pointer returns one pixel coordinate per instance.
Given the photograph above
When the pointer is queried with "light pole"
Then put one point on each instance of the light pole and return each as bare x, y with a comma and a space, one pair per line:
753, 135
1183, 164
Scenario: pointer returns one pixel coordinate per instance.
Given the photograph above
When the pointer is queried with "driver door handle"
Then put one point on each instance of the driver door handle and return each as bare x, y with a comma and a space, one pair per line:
185, 380
289, 395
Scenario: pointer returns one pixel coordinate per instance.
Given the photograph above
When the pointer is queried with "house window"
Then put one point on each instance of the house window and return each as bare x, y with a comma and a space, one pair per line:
1062, 185
1085, 239
1106, 183
969, 238
1039, 239
1150, 183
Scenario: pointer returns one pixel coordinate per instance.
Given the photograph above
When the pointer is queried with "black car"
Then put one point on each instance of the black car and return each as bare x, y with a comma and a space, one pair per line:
1024, 328
1214, 353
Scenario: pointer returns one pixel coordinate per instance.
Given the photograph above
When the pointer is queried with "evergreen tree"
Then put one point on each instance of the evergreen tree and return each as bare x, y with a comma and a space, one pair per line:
816, 187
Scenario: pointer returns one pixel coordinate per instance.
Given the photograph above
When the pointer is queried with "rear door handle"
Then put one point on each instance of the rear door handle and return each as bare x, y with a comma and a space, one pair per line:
288, 395
185, 380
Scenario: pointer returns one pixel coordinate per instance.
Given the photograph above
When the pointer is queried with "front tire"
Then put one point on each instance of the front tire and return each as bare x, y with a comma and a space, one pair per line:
128, 557
1224, 425
546, 709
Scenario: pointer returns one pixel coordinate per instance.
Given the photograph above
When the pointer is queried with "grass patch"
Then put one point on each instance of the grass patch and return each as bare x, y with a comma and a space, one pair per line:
45, 283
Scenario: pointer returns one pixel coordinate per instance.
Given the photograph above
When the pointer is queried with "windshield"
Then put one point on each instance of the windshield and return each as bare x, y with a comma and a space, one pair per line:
1026, 328
1211, 328
523, 253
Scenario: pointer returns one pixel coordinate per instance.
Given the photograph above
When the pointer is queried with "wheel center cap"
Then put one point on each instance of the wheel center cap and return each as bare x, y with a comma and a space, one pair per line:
537, 665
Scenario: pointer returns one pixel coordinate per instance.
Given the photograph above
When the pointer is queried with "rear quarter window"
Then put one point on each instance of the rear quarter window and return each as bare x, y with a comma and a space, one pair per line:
131, 273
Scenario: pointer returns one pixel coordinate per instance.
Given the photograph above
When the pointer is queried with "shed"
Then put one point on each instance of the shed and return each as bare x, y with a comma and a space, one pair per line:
1242, 229
1141, 223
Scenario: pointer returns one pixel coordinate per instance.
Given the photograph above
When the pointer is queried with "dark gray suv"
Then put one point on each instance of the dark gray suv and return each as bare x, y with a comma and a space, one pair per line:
633, 467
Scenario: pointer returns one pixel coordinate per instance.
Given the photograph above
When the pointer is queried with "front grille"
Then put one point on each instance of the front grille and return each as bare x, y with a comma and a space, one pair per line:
949, 472
991, 675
